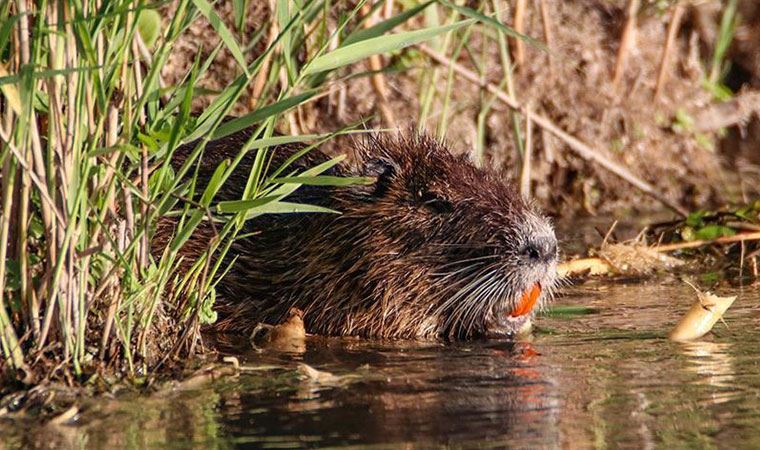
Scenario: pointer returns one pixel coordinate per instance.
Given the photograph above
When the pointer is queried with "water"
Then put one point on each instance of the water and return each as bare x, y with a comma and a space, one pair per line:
598, 376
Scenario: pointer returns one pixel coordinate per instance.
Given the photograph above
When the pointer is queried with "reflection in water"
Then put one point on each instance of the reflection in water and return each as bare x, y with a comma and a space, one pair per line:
713, 363
604, 380
420, 395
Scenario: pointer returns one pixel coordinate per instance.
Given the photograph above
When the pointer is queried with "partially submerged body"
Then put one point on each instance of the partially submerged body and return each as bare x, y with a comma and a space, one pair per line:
433, 248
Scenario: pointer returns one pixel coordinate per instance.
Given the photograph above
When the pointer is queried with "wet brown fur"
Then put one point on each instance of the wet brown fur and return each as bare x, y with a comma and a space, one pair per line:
435, 247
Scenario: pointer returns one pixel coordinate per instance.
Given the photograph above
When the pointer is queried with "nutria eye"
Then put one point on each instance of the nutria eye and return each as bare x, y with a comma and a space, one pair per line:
436, 203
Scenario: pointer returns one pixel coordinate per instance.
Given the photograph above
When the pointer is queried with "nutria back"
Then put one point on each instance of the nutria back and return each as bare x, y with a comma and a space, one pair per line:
433, 247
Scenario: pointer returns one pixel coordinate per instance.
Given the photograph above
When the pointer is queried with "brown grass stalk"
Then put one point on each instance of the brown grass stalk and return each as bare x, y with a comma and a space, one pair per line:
579, 148
673, 27
627, 40
546, 23
741, 237
378, 79
519, 45
528, 156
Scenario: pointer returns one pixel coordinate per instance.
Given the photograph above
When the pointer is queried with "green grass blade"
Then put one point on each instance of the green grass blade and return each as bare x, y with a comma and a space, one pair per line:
473, 14
325, 180
224, 33
383, 27
260, 114
239, 8
287, 208
236, 206
187, 230
383, 44
214, 183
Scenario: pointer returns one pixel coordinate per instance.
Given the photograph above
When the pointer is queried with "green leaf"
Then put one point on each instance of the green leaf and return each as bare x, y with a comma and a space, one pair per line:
187, 230
711, 232
696, 219
287, 208
383, 44
260, 114
473, 14
383, 27
283, 18
224, 33
570, 311
6, 29
235, 206
289, 188
238, 9
149, 26
214, 183
280, 140
207, 314
50, 73
325, 180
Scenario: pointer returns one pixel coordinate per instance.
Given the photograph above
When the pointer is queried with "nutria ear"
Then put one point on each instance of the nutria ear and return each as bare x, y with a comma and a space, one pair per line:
383, 171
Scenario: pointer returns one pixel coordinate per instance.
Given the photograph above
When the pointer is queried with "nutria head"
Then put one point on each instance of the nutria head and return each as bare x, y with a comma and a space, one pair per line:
461, 244
433, 247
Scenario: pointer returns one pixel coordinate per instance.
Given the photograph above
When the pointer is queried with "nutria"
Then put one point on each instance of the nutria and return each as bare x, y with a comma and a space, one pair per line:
434, 247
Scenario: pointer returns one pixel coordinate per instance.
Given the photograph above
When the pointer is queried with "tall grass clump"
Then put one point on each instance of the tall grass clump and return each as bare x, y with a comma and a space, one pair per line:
87, 130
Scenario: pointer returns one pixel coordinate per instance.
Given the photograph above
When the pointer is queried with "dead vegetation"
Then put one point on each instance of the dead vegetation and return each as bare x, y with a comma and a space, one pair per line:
624, 78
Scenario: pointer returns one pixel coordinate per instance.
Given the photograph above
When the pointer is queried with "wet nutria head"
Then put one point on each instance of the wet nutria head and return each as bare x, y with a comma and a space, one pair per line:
433, 247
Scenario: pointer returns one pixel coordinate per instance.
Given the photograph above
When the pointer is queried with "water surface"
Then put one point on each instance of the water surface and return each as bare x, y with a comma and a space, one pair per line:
598, 376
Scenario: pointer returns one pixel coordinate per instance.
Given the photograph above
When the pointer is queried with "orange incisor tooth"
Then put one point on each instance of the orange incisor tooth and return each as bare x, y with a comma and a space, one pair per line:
527, 301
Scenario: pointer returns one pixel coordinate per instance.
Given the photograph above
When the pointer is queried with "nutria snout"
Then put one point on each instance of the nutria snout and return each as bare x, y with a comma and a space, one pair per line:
434, 247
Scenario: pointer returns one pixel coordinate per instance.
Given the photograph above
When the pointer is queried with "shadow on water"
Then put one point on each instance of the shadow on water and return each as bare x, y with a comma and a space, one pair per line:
601, 374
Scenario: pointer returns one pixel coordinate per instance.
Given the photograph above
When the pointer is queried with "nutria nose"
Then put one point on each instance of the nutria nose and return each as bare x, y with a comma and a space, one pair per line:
540, 249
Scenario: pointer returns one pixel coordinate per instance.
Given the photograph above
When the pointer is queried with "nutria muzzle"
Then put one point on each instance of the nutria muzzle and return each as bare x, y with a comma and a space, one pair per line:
433, 248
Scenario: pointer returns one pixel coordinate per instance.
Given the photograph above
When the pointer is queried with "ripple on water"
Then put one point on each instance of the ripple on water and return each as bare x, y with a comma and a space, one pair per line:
603, 376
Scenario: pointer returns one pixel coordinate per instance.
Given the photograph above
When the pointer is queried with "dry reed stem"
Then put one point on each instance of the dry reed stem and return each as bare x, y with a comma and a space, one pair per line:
378, 79
581, 149
736, 111
8, 337
41, 187
519, 48
741, 237
24, 193
546, 23
388, 9
675, 23
261, 78
528, 156
627, 40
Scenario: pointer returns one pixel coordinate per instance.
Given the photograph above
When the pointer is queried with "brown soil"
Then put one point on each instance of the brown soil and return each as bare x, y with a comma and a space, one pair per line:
575, 89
